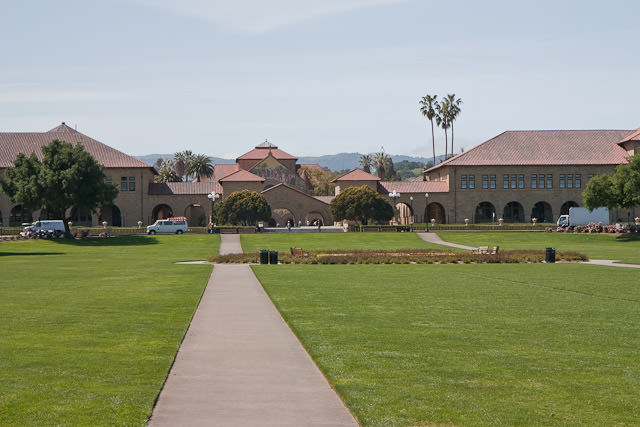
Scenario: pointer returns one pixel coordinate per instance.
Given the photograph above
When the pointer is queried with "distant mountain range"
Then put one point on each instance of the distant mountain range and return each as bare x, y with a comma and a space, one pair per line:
339, 161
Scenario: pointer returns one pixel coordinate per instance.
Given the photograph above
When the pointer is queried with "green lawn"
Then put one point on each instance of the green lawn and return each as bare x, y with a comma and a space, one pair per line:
89, 329
324, 241
596, 246
470, 344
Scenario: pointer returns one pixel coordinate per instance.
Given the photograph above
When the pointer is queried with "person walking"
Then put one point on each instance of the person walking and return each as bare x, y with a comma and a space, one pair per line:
289, 226
319, 225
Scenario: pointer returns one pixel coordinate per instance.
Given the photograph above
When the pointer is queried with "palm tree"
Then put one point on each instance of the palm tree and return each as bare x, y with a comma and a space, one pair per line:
454, 111
167, 172
181, 161
199, 165
379, 162
365, 162
443, 119
429, 112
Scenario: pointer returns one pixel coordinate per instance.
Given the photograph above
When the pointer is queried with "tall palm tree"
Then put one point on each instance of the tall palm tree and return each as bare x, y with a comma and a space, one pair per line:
200, 165
443, 119
454, 111
167, 172
181, 161
427, 102
365, 162
379, 162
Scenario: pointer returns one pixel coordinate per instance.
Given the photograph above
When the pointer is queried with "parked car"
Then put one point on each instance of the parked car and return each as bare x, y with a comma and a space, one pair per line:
49, 228
168, 226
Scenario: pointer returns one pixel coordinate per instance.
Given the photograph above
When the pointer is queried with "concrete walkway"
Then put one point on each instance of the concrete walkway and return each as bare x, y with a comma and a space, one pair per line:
434, 238
240, 364
230, 244
609, 263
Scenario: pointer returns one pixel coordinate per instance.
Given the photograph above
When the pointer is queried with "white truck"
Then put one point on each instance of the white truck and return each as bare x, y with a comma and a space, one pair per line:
582, 216
51, 226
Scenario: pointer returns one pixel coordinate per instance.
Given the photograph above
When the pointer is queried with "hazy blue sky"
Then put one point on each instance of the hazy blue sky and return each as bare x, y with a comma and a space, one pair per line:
218, 77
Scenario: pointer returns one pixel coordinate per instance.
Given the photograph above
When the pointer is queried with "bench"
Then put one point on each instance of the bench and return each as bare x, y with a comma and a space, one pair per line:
297, 252
484, 250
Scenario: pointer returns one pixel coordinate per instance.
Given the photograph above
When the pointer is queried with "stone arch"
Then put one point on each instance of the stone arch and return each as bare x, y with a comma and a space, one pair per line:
19, 215
82, 217
435, 211
404, 213
112, 215
542, 211
485, 212
161, 211
280, 216
195, 214
312, 218
564, 209
513, 212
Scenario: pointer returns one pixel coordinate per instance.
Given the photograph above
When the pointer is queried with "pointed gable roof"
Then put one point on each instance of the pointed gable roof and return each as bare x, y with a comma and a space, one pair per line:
261, 151
13, 143
547, 147
633, 136
356, 175
242, 176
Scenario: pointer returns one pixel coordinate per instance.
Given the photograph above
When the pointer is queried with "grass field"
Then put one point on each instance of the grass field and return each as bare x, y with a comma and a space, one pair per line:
470, 344
89, 329
324, 241
596, 246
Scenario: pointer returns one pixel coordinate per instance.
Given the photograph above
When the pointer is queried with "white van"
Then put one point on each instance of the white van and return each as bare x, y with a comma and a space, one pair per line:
168, 226
52, 225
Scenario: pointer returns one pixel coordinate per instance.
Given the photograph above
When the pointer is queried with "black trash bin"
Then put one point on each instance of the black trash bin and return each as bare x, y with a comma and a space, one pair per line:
273, 257
264, 257
550, 255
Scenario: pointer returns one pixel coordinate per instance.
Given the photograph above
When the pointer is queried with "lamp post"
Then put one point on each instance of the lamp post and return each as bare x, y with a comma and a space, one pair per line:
394, 195
426, 211
213, 196
412, 219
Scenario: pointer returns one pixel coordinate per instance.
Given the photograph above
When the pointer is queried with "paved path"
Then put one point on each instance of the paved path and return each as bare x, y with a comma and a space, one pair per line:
434, 238
240, 364
609, 263
230, 244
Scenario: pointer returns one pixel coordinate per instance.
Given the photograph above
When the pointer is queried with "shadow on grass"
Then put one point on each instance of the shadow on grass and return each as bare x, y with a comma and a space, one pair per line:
628, 237
30, 253
110, 241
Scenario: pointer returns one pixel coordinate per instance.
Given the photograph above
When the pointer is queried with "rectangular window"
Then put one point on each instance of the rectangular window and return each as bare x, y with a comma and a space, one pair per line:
132, 183
472, 182
123, 184
549, 181
570, 180
590, 175
534, 181
505, 181
108, 180
520, 181
463, 182
513, 182
492, 181
485, 182
562, 181
578, 181
541, 180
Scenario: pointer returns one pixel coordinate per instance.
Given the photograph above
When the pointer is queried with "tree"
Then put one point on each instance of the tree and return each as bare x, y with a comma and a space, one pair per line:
167, 172
365, 162
67, 177
199, 165
454, 111
443, 119
242, 208
427, 109
181, 161
361, 204
618, 189
319, 179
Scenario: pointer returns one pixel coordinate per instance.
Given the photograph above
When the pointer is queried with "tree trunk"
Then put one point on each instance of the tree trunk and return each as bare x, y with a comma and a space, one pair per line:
433, 143
452, 137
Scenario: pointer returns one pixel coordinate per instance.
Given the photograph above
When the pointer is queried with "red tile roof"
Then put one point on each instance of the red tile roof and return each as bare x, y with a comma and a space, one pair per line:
413, 186
549, 147
220, 171
243, 176
633, 136
356, 175
12, 143
260, 153
170, 188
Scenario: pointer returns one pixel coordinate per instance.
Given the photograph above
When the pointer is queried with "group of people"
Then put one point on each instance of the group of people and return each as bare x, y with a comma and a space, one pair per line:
317, 222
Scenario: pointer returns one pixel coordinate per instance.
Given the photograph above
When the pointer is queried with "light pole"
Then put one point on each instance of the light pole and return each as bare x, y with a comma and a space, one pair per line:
394, 195
426, 211
213, 196
412, 219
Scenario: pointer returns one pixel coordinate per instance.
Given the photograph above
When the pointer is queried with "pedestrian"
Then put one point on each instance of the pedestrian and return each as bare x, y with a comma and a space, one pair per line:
289, 226
319, 225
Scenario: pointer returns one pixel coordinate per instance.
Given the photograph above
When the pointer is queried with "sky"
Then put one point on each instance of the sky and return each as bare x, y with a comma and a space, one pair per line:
220, 77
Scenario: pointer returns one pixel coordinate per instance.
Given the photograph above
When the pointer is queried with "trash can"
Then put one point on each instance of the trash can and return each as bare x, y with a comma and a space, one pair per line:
550, 255
264, 257
273, 257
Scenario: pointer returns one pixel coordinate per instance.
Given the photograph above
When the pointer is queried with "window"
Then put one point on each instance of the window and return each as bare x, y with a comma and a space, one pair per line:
492, 181
505, 181
570, 180
534, 181
562, 181
485, 182
463, 182
578, 181
541, 180
520, 181
472, 182
132, 183
590, 176
123, 184
108, 180
513, 182
549, 181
